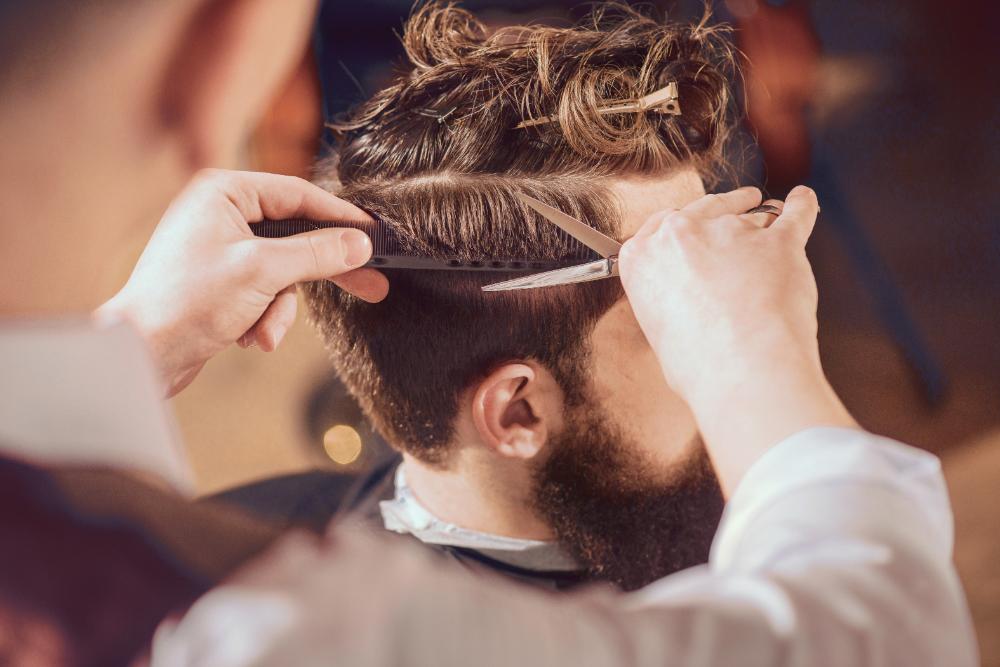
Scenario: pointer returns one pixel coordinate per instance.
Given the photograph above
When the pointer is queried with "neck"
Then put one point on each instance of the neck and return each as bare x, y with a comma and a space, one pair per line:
480, 493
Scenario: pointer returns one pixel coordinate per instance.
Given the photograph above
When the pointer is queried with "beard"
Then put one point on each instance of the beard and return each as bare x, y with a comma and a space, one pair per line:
622, 521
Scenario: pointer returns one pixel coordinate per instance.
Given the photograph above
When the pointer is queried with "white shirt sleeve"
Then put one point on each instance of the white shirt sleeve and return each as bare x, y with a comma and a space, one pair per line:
835, 550
837, 546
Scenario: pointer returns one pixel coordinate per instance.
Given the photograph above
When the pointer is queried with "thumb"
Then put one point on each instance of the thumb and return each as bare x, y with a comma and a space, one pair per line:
315, 255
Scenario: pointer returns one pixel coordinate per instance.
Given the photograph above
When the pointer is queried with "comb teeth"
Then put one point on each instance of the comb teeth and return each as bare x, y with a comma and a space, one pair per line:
389, 253
385, 243
382, 237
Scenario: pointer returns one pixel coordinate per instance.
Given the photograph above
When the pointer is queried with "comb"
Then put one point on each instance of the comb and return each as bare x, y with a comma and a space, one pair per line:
389, 253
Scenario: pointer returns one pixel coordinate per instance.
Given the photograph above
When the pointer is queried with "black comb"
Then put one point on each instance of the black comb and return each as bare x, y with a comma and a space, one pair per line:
389, 253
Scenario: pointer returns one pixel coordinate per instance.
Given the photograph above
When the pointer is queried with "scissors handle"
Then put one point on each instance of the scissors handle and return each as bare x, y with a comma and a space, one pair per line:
764, 208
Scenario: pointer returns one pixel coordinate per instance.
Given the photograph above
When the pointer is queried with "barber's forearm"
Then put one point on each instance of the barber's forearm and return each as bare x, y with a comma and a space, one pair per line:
765, 396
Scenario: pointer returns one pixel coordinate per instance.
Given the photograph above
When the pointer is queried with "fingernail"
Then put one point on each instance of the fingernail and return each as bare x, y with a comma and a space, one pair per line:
357, 247
801, 190
278, 334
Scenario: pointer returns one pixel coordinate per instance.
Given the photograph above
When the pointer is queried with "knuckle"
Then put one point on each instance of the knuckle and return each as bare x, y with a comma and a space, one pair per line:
209, 172
227, 181
321, 254
664, 216
210, 176
213, 185
202, 183
678, 222
248, 258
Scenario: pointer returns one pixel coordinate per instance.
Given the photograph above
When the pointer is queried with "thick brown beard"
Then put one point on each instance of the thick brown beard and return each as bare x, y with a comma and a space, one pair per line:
625, 524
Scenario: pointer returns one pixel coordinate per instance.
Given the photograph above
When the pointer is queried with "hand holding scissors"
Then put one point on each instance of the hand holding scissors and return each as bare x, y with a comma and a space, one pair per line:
725, 295
605, 246
727, 300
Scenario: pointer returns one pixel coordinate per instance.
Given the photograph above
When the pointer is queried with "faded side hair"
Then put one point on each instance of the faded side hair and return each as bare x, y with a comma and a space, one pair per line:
438, 156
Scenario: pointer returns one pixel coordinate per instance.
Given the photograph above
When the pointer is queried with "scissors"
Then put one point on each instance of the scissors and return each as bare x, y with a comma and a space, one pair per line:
603, 245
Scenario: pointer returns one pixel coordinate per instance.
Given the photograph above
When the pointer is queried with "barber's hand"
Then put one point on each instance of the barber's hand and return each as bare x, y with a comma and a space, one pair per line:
205, 281
728, 303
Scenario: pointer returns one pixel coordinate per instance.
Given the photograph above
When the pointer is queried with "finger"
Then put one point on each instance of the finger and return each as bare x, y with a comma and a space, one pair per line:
272, 326
653, 222
725, 203
367, 284
315, 255
799, 214
259, 195
246, 340
764, 218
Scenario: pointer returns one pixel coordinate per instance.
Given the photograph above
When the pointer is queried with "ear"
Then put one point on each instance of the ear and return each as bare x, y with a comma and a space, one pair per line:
508, 412
228, 59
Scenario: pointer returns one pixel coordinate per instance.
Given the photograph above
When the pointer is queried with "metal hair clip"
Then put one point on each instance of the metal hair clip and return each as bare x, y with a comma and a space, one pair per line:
665, 100
439, 116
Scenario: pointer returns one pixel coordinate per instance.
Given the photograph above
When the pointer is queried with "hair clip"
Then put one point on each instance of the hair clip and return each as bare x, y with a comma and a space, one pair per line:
664, 100
439, 116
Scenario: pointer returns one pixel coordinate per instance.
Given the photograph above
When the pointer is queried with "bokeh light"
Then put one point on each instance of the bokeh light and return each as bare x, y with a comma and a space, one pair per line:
342, 444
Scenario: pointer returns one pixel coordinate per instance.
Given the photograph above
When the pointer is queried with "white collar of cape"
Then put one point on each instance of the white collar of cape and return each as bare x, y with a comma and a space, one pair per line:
406, 515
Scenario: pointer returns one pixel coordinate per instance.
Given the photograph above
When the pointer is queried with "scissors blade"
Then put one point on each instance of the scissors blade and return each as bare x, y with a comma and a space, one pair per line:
581, 273
605, 246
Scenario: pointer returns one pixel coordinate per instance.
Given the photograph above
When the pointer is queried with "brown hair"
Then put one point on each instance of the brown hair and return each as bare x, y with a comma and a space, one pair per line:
439, 157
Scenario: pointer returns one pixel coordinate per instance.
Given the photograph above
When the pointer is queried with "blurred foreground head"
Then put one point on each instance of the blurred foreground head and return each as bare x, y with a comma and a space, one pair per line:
552, 396
109, 106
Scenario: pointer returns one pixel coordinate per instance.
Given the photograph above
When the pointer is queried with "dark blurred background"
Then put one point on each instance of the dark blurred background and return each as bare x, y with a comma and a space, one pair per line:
889, 109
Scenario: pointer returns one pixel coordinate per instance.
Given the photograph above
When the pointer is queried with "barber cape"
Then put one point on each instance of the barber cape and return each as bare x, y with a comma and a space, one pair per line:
834, 551
383, 500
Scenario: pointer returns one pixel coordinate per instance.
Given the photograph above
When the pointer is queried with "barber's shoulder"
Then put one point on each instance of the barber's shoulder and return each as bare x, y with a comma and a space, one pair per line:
210, 540
307, 499
76, 547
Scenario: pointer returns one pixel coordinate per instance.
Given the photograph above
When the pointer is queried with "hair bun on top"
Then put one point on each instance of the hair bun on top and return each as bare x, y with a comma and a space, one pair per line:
437, 34
459, 108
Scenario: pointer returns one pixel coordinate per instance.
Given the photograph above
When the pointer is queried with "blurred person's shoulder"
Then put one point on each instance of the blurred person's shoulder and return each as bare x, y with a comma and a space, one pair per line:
312, 499
99, 557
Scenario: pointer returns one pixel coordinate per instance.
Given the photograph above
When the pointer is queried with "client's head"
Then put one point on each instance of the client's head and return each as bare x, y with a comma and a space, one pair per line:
545, 410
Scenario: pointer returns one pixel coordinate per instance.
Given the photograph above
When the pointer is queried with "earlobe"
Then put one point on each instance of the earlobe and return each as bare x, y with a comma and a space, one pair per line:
504, 414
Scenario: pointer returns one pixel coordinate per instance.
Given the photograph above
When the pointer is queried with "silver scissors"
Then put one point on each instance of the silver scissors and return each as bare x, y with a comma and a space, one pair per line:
603, 245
